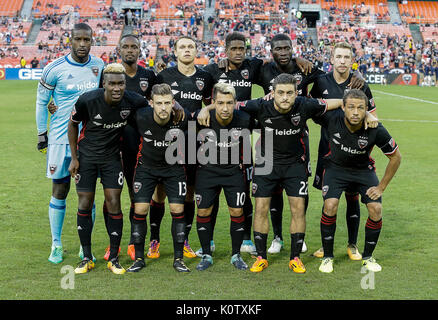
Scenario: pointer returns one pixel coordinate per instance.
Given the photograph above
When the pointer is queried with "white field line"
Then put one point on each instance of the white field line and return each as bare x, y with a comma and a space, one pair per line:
405, 97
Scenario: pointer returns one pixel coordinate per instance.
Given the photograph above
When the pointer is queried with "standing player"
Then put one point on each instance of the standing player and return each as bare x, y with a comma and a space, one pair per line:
333, 85
139, 80
284, 117
64, 80
191, 86
281, 50
103, 113
349, 165
216, 173
155, 126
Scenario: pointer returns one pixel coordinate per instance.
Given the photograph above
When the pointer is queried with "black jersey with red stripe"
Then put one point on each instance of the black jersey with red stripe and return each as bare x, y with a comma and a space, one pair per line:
231, 143
353, 149
288, 129
189, 91
103, 124
154, 142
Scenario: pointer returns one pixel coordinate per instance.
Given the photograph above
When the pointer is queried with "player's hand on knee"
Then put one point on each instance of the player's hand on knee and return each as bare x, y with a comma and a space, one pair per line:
52, 108
374, 193
42, 142
73, 168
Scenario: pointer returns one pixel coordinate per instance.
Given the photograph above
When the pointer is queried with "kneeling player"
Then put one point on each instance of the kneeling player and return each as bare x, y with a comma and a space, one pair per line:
104, 113
155, 125
349, 166
223, 145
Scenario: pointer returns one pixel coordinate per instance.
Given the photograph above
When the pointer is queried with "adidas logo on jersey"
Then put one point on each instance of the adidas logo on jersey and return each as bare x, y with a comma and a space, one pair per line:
325, 91
149, 133
174, 84
98, 117
223, 75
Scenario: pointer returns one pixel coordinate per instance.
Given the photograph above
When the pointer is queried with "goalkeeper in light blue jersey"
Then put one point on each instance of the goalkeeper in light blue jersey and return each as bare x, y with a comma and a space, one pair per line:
64, 80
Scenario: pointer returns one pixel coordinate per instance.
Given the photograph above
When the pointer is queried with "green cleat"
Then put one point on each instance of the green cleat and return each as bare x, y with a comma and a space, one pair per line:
56, 255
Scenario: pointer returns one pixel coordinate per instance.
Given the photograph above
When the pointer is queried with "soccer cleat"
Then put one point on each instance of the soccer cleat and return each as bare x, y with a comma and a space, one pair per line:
179, 265
81, 254
154, 252
137, 265
371, 264
56, 254
326, 265
248, 246
84, 266
131, 252
319, 253
188, 252
206, 262
276, 245
297, 266
304, 248
107, 253
237, 261
259, 265
353, 252
199, 251
115, 266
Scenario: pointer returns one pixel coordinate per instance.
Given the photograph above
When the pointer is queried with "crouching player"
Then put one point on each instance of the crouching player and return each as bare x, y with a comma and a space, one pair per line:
349, 166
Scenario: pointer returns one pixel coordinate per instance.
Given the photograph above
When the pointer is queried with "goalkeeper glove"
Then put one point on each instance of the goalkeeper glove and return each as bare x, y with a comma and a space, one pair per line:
42, 142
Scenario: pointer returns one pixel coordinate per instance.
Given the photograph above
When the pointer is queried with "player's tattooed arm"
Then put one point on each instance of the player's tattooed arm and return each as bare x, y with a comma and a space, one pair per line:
357, 81
394, 163
73, 130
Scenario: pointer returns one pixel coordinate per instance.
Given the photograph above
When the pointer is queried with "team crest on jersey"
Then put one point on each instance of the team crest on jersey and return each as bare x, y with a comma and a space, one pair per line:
137, 186
198, 198
125, 113
322, 102
95, 71
173, 133
245, 74
77, 178
295, 120
235, 134
392, 143
144, 84
362, 143
298, 77
325, 189
200, 84
254, 188
52, 168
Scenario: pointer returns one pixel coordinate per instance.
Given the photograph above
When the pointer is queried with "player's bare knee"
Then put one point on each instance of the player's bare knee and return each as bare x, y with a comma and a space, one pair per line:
205, 212
85, 200
141, 208
60, 190
176, 208
331, 207
235, 212
375, 210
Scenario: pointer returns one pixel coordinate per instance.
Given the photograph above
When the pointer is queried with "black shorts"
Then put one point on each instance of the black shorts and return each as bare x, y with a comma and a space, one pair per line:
110, 173
337, 179
210, 180
190, 170
147, 178
320, 165
292, 178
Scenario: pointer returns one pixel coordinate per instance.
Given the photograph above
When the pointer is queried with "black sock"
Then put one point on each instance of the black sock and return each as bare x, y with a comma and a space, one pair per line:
131, 217
213, 215
372, 232
138, 234
189, 214
260, 240
156, 216
296, 244
204, 233
105, 216
277, 214
178, 234
352, 217
85, 226
237, 228
115, 229
247, 212
328, 229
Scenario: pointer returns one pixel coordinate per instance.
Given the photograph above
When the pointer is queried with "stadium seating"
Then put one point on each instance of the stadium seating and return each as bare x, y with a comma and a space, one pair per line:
9, 8
419, 11
15, 29
90, 8
358, 10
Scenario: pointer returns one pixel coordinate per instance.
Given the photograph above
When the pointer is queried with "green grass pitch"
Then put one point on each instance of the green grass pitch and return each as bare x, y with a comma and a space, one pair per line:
407, 249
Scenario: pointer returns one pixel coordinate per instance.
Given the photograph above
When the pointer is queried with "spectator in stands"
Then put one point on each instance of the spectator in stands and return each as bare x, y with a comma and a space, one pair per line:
34, 63
22, 62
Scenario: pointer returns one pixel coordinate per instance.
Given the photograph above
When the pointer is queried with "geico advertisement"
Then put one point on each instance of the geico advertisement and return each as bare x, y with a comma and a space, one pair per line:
22, 74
